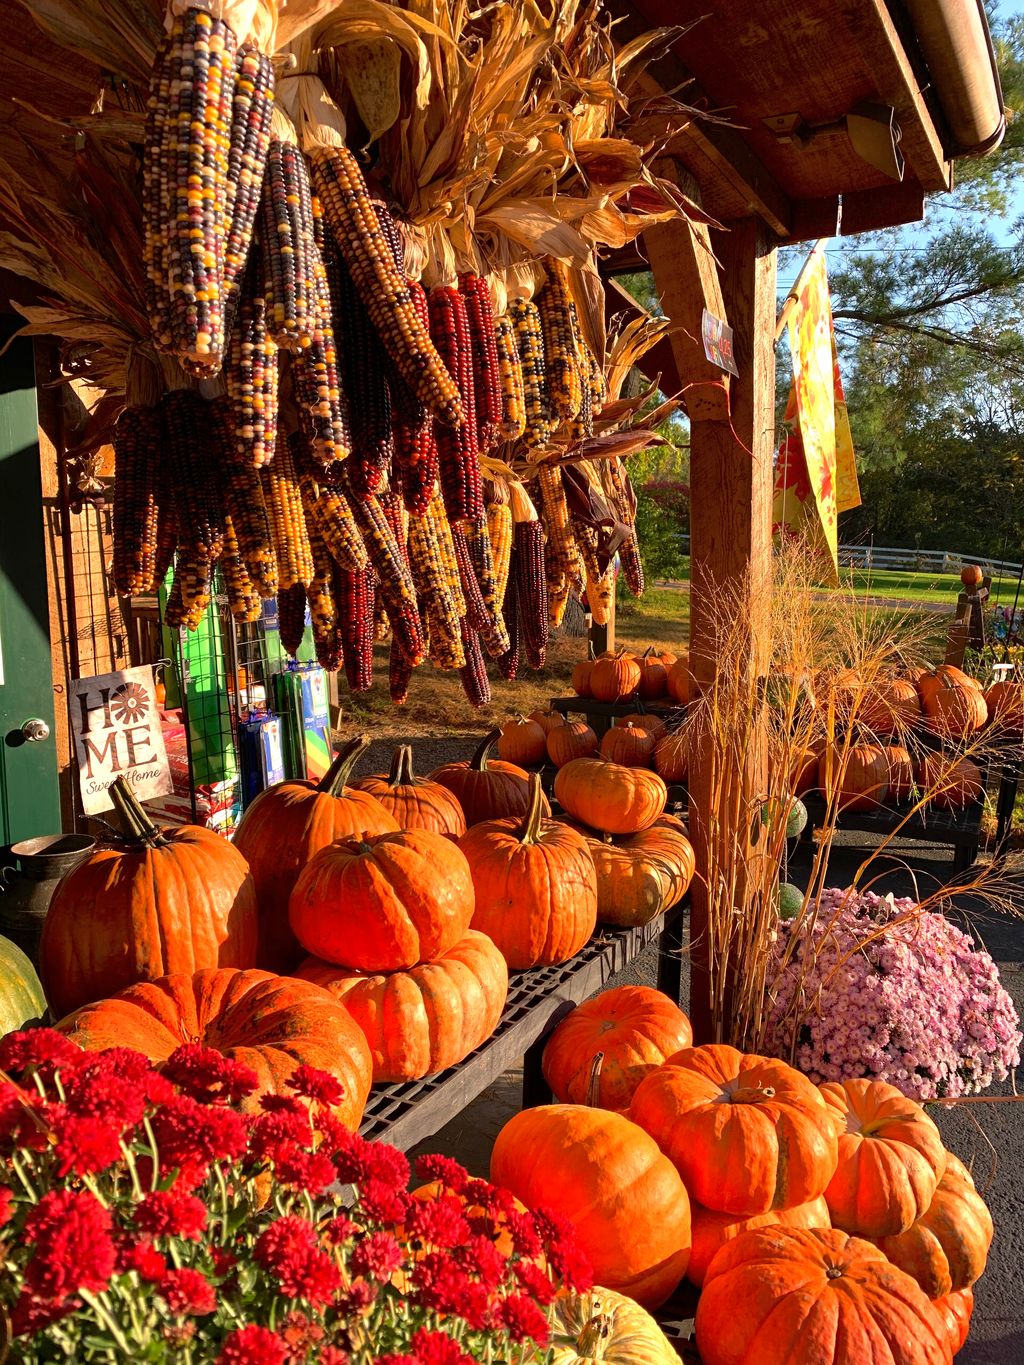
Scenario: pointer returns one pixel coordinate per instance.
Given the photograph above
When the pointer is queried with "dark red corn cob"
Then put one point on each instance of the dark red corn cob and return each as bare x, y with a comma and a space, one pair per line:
486, 373
399, 674
393, 575
508, 664
473, 675
291, 617
415, 446
354, 598
531, 589
457, 448
476, 609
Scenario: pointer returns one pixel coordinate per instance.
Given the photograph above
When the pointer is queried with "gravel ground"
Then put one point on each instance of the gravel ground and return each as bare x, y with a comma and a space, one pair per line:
427, 753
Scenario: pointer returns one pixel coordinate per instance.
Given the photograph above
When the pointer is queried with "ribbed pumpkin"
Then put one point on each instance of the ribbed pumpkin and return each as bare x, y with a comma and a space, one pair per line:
21, 993
608, 797
890, 706
953, 703
955, 1310
428, 1018
627, 744
581, 677
972, 576
535, 886
1005, 702
573, 740
629, 1207
615, 678
679, 680
746, 1133
173, 900
835, 1295
413, 802
672, 755
947, 1248
486, 788
605, 1326
285, 826
654, 725
710, 1231
634, 1028
269, 1023
384, 903
547, 720
640, 875
653, 682
523, 741
956, 785
890, 1158
900, 767
862, 773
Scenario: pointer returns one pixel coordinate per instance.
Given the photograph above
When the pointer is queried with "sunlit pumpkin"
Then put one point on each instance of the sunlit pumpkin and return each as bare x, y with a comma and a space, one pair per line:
653, 682
890, 1158
428, 1018
835, 1295
282, 829
627, 744
890, 707
861, 773
672, 755
548, 720
950, 785
1005, 702
972, 576
900, 769
269, 1023
523, 741
955, 1310
169, 900
746, 1133
628, 1205
608, 797
710, 1230
414, 802
383, 903
616, 678
605, 1326
804, 770
646, 720
639, 876
581, 677
535, 886
573, 740
486, 788
679, 680
953, 703
634, 1028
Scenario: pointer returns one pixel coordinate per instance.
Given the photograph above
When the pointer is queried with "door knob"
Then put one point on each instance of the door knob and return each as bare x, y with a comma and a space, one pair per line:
35, 729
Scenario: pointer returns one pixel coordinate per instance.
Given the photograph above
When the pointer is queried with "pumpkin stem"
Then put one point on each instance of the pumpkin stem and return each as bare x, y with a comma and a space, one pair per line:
337, 775
594, 1083
529, 830
138, 825
647, 652
478, 763
401, 773
588, 1343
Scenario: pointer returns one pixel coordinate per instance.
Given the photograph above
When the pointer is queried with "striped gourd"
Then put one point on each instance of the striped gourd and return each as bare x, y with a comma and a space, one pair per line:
138, 458
381, 284
251, 371
187, 421
283, 498
365, 377
487, 383
493, 634
457, 449
354, 597
473, 673
510, 374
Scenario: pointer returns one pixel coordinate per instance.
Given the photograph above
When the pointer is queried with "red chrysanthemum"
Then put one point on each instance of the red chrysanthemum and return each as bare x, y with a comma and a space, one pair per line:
396, 1360
111, 1086
437, 1348
172, 1213
377, 1256
389, 1165
191, 1136
141, 1256
31, 1313
525, 1241
85, 1145
223, 1260
316, 1085
523, 1320
433, 1166
300, 1333
445, 1286
381, 1202
308, 1171
356, 1298
278, 1132
493, 1198
284, 1104
353, 1158
188, 1291
253, 1346
535, 1282
70, 1231
287, 1250
481, 1256
438, 1223
320, 1279
208, 1076
331, 1355
339, 1229
40, 1049
6, 1204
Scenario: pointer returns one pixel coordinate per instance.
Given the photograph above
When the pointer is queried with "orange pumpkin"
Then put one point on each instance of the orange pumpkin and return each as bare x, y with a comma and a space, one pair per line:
746, 1133
615, 678
173, 900
628, 744
835, 1295
672, 755
486, 788
633, 1028
414, 802
804, 770
285, 826
629, 1207
581, 674
679, 680
272, 1024
900, 767
567, 742
971, 576
862, 775
952, 786
548, 720
428, 1018
890, 707
1005, 702
947, 1248
383, 903
955, 1310
710, 1230
653, 682
639, 876
523, 741
609, 797
890, 1158
654, 725
953, 703
535, 886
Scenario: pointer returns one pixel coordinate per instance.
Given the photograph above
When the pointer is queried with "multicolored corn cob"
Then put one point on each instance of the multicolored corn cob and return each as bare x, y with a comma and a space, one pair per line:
531, 589
393, 575
251, 372
242, 491
600, 584
381, 284
244, 602
414, 441
562, 375
365, 377
436, 576
473, 673
354, 597
190, 590
283, 498
323, 613
499, 531
287, 246
399, 675
619, 492
187, 421
319, 390
291, 617
457, 448
508, 664
327, 508
252, 107
476, 609
487, 383
510, 374
525, 319
493, 634
138, 458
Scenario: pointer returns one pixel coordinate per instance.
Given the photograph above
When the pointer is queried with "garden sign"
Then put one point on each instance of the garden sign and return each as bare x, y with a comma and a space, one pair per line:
116, 726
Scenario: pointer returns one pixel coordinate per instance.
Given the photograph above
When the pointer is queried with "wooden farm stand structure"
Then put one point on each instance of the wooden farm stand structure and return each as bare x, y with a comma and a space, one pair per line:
927, 62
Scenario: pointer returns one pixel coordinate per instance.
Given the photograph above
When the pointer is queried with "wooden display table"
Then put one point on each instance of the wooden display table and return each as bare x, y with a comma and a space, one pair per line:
960, 829
406, 1113
600, 714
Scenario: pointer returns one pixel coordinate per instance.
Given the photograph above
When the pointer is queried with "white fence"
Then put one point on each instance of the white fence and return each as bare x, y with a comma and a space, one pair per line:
912, 561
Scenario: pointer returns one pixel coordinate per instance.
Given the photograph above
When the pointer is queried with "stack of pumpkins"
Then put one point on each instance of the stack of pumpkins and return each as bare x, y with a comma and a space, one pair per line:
785, 1203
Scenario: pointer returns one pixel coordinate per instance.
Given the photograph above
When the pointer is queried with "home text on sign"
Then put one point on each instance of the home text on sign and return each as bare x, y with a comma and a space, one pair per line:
116, 724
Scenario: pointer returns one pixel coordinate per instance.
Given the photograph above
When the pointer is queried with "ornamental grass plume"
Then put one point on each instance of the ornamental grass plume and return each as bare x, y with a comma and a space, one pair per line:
143, 1216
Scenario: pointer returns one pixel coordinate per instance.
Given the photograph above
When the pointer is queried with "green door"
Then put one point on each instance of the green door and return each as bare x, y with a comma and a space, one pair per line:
29, 792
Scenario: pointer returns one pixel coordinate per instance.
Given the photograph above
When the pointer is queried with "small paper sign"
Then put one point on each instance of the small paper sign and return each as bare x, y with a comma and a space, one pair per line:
116, 724
718, 347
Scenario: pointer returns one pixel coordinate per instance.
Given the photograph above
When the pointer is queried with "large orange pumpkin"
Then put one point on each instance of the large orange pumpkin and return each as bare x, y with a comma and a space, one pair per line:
803, 772
654, 725
383, 903
609, 797
953, 786
679, 680
535, 886
1005, 702
710, 1230
548, 720
890, 707
486, 788
672, 755
955, 1311
581, 674
640, 875
523, 741
285, 826
269, 1023
816, 1296
173, 900
573, 740
414, 802
861, 773
428, 1018
627, 1202
890, 1158
628, 744
634, 1028
900, 767
653, 682
947, 1248
747, 1133
953, 703
615, 678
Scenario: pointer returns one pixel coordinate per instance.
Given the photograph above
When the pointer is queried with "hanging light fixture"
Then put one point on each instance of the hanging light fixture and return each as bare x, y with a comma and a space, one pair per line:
872, 129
